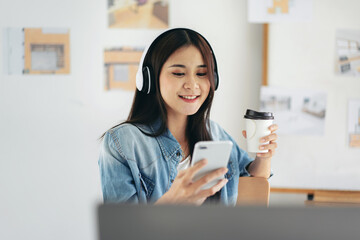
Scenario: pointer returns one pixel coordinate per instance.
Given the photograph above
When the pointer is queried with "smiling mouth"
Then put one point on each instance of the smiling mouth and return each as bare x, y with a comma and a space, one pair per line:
189, 97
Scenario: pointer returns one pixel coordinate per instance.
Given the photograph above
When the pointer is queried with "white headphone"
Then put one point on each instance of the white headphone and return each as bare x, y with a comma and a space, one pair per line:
145, 76
139, 74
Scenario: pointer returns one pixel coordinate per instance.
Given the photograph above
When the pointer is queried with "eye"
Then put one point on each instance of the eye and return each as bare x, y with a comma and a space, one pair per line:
201, 74
178, 74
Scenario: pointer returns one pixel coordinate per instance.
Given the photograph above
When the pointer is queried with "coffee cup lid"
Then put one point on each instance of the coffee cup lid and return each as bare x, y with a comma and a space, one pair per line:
251, 114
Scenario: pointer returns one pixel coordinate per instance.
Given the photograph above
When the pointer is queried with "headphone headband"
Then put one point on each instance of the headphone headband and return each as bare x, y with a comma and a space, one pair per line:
145, 76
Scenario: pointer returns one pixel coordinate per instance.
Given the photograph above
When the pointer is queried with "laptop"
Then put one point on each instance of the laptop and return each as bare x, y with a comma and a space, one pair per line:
122, 221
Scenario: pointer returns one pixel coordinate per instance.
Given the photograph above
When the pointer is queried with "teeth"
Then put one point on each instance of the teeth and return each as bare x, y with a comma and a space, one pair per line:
189, 97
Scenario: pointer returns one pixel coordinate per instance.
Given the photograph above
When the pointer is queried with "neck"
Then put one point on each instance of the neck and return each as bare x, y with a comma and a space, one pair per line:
177, 127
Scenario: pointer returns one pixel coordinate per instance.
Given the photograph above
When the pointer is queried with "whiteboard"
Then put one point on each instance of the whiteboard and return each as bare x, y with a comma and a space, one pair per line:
302, 56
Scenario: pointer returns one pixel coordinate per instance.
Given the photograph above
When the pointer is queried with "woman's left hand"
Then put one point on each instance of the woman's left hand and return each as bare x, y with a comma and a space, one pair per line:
271, 146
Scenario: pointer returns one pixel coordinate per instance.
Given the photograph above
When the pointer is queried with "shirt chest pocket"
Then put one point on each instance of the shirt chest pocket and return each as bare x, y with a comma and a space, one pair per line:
146, 185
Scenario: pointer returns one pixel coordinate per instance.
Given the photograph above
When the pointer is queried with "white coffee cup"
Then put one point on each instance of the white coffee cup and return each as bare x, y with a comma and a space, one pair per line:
257, 126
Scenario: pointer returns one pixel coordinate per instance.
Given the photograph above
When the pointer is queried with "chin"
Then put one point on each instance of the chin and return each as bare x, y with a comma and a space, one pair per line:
191, 112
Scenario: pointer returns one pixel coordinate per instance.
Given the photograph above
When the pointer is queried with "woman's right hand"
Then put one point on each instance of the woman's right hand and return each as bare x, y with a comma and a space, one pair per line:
185, 191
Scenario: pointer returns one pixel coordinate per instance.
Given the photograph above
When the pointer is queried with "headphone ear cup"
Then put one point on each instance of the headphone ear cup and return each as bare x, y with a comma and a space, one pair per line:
151, 80
216, 80
148, 80
145, 85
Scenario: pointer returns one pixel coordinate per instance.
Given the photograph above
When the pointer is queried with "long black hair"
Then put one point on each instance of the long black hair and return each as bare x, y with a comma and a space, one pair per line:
147, 108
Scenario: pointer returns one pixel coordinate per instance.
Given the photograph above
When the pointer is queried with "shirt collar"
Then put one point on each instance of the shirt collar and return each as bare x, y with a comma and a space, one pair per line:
167, 142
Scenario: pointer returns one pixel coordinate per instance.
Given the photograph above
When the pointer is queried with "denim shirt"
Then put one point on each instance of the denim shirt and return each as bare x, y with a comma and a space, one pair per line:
136, 168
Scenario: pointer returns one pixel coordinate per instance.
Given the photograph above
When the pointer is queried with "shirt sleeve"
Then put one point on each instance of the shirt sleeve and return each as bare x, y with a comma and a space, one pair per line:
117, 181
244, 162
243, 158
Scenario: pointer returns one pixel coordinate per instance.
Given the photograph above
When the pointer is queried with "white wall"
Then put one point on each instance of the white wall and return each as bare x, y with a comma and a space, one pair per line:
49, 125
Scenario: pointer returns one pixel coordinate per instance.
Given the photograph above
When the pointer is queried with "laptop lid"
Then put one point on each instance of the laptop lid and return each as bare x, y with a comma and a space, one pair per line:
121, 221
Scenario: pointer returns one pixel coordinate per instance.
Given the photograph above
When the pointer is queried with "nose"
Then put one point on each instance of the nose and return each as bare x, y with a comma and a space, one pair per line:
191, 82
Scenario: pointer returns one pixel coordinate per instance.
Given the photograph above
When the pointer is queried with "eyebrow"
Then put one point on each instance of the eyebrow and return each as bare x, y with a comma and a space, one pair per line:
183, 66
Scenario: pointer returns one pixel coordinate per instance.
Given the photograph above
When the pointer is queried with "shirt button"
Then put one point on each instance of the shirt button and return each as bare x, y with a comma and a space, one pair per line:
172, 180
178, 153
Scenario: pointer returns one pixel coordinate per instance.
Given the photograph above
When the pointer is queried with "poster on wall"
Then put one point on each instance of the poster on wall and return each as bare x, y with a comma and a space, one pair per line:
354, 123
347, 52
298, 112
268, 11
121, 65
36, 51
138, 14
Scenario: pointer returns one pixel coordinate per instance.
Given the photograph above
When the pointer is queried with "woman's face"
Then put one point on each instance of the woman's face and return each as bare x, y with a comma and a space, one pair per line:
184, 82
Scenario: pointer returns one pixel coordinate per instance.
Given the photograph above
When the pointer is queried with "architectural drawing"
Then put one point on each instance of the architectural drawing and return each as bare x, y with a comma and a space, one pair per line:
121, 65
347, 58
298, 112
267, 11
354, 123
138, 13
36, 51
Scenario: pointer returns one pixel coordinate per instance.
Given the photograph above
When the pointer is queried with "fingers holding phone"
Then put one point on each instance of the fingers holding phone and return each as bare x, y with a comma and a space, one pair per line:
185, 190
209, 177
204, 178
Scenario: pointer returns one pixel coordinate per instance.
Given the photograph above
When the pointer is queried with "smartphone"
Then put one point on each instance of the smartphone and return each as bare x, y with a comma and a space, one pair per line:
217, 154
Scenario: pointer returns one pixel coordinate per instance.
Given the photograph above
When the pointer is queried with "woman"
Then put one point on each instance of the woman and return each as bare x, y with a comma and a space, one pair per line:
147, 158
